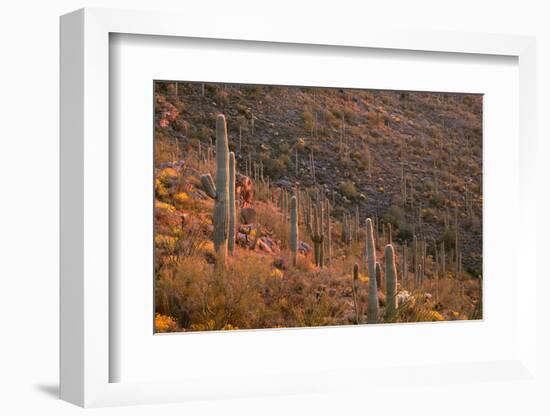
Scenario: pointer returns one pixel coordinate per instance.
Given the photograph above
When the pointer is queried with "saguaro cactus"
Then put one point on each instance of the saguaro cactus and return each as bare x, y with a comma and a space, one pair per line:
344, 228
296, 162
423, 259
355, 290
329, 232
232, 214
220, 191
372, 311
415, 259
356, 225
317, 236
312, 164
443, 261
405, 271
391, 281
294, 228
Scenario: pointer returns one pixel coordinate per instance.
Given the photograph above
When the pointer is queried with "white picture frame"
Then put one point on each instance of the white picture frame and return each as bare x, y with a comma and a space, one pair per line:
86, 356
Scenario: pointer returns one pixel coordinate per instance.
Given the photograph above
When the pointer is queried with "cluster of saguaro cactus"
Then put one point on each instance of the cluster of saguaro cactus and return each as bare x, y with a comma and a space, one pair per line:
204, 152
255, 171
375, 280
283, 204
258, 170
443, 260
220, 191
350, 227
316, 218
312, 165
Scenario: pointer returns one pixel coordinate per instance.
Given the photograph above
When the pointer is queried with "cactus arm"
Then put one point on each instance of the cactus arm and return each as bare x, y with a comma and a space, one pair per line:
208, 185
378, 275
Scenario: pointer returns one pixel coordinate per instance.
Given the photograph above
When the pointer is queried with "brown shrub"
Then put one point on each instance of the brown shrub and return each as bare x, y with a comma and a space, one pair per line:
348, 189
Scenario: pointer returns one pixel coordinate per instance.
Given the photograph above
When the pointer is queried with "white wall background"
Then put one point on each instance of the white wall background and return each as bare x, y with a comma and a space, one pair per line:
29, 116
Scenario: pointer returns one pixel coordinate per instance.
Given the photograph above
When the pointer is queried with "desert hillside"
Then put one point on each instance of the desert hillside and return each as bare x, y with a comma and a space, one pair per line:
412, 162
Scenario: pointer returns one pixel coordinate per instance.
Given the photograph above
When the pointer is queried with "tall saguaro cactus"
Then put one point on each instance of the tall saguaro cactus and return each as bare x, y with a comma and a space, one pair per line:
232, 214
329, 232
356, 225
355, 290
405, 272
372, 311
317, 236
391, 281
294, 228
220, 190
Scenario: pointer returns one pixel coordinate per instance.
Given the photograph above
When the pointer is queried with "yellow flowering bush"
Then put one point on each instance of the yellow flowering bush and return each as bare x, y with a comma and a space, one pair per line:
183, 200
435, 316
165, 241
159, 205
363, 278
167, 175
207, 326
276, 274
208, 247
160, 189
164, 323
181, 197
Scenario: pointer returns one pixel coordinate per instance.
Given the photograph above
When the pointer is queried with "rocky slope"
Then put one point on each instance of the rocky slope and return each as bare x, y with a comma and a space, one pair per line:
411, 159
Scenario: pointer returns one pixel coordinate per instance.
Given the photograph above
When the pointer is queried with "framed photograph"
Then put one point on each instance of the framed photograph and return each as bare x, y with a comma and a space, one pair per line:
273, 214
330, 206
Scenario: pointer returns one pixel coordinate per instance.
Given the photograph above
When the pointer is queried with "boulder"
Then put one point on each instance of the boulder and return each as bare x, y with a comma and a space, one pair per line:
242, 239
248, 215
262, 245
304, 247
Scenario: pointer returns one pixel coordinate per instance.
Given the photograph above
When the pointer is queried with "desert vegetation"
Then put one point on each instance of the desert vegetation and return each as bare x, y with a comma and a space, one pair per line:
292, 207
